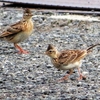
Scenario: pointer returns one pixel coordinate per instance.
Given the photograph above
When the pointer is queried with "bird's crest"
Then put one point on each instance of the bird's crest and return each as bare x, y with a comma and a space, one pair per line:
50, 46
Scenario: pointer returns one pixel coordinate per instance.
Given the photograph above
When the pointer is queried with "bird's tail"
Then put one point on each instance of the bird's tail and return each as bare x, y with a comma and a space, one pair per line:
89, 49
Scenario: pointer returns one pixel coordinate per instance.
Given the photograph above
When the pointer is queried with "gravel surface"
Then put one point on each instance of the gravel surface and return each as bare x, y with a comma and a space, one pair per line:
32, 76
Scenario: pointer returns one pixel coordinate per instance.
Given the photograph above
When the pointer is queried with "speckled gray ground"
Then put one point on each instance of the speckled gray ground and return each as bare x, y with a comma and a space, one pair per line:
32, 76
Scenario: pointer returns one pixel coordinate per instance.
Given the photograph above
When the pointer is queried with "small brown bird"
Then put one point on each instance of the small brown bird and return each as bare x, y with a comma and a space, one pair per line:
20, 31
67, 59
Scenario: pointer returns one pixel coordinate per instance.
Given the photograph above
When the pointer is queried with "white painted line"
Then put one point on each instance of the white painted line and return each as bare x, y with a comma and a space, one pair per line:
76, 17
72, 17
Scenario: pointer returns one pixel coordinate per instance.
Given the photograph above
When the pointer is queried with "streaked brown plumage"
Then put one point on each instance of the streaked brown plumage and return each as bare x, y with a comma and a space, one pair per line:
67, 59
20, 31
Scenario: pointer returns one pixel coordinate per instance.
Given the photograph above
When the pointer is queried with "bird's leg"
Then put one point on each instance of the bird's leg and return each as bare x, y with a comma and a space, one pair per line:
66, 76
21, 51
81, 76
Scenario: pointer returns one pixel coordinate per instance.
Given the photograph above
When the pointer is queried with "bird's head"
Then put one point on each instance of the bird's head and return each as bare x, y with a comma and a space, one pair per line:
51, 51
27, 13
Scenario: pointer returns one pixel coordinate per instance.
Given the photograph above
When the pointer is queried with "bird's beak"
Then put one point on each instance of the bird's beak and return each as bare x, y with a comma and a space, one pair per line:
45, 53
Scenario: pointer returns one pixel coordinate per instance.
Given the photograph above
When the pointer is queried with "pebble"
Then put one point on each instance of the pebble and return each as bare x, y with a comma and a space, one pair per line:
32, 76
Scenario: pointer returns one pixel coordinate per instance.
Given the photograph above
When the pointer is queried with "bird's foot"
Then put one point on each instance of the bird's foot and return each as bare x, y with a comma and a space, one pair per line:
81, 77
23, 52
64, 78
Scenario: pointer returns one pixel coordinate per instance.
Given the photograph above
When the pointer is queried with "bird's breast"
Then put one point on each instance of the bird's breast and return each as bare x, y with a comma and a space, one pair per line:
68, 66
29, 27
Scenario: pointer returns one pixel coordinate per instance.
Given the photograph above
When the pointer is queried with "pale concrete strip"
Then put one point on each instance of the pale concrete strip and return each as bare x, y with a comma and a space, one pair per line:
76, 17
72, 17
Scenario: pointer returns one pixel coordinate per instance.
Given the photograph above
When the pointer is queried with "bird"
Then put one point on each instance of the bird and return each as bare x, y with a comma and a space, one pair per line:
19, 31
68, 59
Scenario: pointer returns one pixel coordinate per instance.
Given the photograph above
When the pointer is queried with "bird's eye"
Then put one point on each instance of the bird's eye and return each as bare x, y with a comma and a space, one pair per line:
50, 51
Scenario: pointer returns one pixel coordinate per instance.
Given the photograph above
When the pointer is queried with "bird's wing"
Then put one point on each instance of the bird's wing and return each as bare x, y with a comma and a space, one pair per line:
13, 29
70, 56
